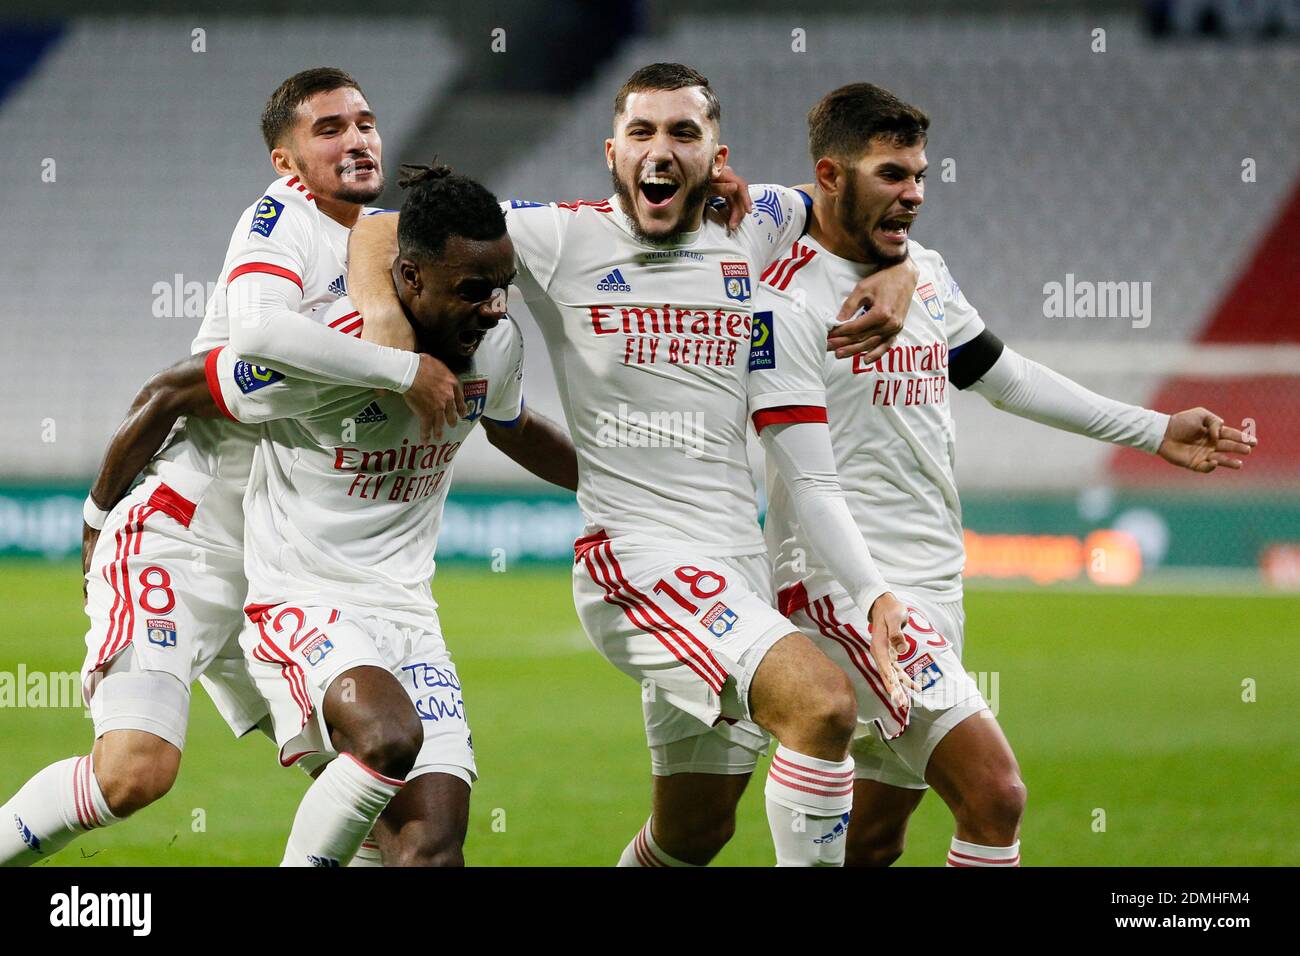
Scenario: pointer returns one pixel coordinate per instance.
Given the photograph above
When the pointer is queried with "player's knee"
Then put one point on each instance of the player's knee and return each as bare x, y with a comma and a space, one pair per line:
833, 711
878, 847
430, 849
997, 805
390, 747
132, 783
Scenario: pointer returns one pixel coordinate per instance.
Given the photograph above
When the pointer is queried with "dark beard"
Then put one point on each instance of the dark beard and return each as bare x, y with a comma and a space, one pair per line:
851, 222
361, 195
694, 201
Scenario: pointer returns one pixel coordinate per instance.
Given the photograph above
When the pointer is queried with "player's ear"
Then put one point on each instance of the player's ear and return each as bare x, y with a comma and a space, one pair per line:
411, 277
720, 160
609, 154
828, 174
282, 161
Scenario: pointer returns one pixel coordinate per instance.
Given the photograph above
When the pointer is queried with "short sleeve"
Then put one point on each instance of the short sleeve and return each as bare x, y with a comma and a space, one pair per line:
280, 236
786, 381
251, 394
780, 217
535, 232
506, 391
962, 322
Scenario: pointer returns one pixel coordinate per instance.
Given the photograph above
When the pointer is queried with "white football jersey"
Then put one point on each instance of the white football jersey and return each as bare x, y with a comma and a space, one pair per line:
890, 423
345, 500
650, 345
283, 234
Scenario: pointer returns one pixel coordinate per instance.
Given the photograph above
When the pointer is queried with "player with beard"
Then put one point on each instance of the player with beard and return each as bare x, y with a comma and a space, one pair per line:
893, 441
645, 303
165, 584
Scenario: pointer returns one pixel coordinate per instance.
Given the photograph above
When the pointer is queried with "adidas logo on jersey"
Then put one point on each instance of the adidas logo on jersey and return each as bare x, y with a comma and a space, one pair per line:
339, 286
370, 414
614, 282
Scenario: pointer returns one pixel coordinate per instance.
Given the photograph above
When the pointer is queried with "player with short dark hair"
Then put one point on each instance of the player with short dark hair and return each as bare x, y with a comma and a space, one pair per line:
165, 582
645, 301
893, 441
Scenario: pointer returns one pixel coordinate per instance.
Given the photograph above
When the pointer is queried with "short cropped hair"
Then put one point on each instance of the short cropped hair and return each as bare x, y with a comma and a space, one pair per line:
440, 204
277, 118
846, 120
668, 76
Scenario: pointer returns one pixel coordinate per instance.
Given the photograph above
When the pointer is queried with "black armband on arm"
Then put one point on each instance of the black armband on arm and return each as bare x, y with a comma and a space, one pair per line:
968, 363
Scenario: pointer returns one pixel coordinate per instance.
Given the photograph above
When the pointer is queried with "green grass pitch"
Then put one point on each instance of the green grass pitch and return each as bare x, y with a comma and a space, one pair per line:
1127, 704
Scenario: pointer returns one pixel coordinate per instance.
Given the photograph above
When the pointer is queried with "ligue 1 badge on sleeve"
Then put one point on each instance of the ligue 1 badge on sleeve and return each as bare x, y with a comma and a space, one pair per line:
266, 216
735, 280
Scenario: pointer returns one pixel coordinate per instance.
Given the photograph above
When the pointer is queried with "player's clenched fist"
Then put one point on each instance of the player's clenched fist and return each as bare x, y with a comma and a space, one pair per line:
888, 617
435, 396
1198, 440
883, 298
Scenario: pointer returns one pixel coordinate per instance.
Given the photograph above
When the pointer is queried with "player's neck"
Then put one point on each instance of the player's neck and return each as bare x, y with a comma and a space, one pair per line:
826, 230
345, 214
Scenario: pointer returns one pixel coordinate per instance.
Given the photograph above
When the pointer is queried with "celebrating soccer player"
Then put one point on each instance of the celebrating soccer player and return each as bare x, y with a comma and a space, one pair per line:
646, 304
893, 442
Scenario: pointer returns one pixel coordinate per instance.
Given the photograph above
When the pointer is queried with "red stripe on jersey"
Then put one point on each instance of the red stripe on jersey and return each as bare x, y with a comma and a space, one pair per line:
214, 383
173, 504
789, 415
353, 328
264, 268
343, 318
789, 273
600, 205
292, 182
792, 599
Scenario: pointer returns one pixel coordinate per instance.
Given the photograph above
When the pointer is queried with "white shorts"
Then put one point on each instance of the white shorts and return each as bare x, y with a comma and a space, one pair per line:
893, 746
161, 585
295, 652
692, 630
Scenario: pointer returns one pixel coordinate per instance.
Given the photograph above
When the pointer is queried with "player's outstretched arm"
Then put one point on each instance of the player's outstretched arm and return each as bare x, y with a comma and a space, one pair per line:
804, 458
179, 390
372, 247
539, 445
1195, 439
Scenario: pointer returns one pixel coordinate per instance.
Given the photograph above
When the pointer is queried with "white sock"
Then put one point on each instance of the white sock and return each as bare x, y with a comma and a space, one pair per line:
52, 809
962, 853
337, 812
808, 804
644, 851
369, 854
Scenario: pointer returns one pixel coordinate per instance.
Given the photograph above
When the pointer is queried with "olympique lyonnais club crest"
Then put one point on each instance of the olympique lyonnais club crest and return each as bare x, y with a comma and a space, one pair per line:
475, 392
719, 619
161, 631
930, 299
924, 671
735, 280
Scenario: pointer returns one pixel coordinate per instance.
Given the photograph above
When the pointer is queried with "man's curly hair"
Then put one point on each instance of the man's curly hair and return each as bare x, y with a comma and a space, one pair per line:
440, 204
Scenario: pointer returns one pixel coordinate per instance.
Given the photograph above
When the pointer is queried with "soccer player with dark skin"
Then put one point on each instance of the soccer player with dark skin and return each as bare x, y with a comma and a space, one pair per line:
452, 300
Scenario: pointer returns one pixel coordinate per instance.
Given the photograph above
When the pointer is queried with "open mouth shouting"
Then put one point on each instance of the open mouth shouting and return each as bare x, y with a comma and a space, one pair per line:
355, 169
658, 189
896, 228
